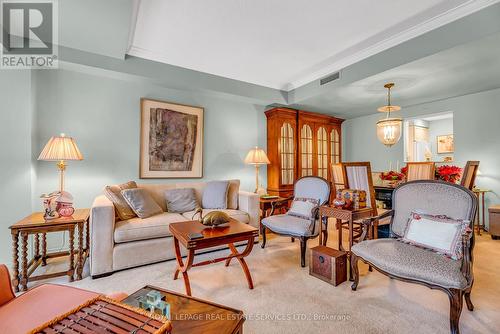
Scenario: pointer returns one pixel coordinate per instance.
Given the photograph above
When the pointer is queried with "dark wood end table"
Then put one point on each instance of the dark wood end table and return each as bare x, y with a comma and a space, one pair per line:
228, 234
190, 315
36, 225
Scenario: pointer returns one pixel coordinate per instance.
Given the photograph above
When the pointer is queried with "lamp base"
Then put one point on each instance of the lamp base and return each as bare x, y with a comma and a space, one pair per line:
260, 191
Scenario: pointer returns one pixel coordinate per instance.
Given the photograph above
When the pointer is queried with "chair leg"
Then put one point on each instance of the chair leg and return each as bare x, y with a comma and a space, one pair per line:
470, 306
263, 233
355, 271
303, 246
456, 303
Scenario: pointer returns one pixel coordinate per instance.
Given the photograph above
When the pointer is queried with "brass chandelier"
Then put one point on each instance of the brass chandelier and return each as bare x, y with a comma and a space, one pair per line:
389, 128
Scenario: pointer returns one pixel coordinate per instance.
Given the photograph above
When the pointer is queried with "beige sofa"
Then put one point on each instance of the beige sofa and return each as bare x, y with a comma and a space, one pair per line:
116, 245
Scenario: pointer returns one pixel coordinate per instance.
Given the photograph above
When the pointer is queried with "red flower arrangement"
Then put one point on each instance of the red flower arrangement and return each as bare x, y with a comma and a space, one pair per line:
448, 173
392, 176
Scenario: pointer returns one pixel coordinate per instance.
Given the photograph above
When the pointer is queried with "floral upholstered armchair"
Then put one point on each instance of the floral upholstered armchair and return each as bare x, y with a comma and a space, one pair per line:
410, 262
301, 220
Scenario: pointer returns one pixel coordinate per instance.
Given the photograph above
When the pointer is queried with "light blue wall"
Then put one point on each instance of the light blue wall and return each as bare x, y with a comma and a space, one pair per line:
103, 115
15, 153
475, 126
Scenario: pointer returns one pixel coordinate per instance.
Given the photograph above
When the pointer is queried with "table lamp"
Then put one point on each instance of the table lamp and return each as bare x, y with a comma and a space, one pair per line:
257, 157
60, 149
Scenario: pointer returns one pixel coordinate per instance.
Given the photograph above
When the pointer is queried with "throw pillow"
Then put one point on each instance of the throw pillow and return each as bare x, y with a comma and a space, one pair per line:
141, 202
233, 194
181, 200
440, 234
302, 207
215, 195
113, 193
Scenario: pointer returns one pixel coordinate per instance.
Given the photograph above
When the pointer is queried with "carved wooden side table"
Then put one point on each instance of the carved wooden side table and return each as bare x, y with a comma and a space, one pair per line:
37, 226
480, 217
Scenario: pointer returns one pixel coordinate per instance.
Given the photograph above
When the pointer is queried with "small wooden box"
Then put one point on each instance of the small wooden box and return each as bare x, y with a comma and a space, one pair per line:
328, 264
494, 212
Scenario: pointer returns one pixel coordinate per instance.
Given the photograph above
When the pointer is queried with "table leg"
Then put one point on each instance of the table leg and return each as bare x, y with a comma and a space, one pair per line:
483, 221
181, 267
44, 249
71, 270
87, 236
325, 231
15, 260
241, 260
24, 264
37, 245
79, 268
338, 223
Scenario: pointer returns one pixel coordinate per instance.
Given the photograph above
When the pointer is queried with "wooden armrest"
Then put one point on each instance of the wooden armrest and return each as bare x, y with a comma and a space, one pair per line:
279, 204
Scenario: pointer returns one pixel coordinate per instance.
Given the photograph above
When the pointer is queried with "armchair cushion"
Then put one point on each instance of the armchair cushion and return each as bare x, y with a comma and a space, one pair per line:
437, 233
289, 225
407, 261
303, 207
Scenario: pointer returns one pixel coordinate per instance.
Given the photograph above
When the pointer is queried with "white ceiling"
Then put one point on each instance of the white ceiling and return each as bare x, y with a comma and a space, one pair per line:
281, 44
464, 69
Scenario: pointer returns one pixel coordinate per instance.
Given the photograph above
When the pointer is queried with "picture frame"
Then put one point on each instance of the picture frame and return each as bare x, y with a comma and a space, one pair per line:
445, 144
171, 140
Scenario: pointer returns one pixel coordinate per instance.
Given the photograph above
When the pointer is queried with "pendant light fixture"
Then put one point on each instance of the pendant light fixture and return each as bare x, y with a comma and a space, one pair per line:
389, 129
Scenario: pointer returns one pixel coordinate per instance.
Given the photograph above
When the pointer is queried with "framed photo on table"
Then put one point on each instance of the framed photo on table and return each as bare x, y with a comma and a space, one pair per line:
171, 140
445, 144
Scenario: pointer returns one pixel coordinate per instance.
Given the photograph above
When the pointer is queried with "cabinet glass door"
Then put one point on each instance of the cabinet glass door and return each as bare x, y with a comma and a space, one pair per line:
306, 149
322, 142
287, 155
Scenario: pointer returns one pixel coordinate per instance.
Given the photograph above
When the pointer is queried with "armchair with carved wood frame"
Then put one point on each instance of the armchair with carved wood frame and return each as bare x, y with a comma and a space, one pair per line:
296, 227
409, 263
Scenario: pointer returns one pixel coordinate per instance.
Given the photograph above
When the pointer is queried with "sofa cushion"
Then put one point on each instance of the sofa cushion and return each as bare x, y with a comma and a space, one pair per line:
407, 261
40, 305
215, 195
290, 225
148, 228
240, 216
181, 200
113, 193
141, 202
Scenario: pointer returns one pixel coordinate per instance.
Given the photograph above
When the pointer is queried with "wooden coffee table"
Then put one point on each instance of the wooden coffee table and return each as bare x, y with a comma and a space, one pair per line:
191, 315
230, 233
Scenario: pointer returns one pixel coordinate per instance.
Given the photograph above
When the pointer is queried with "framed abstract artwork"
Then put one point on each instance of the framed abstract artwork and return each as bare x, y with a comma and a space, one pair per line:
171, 140
445, 144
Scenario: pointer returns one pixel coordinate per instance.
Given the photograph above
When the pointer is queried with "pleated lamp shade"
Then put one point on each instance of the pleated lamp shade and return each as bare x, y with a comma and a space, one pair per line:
257, 156
60, 148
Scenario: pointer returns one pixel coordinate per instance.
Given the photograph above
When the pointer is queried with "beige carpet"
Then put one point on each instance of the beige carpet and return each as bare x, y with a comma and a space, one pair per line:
287, 300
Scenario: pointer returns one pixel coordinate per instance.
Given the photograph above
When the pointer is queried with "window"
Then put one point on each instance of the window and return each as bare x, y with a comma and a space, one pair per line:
335, 146
306, 150
286, 151
322, 153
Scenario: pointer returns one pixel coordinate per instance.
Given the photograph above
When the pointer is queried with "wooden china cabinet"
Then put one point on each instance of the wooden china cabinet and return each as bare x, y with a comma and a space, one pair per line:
300, 143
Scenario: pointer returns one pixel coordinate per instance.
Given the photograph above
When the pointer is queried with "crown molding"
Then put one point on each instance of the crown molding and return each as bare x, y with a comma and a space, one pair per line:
438, 21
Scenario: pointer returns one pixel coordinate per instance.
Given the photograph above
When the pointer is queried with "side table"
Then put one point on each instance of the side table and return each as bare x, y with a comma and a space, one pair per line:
340, 215
36, 225
480, 217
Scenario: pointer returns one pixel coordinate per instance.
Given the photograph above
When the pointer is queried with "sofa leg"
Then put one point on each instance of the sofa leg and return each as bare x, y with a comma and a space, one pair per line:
456, 303
303, 246
263, 233
354, 271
